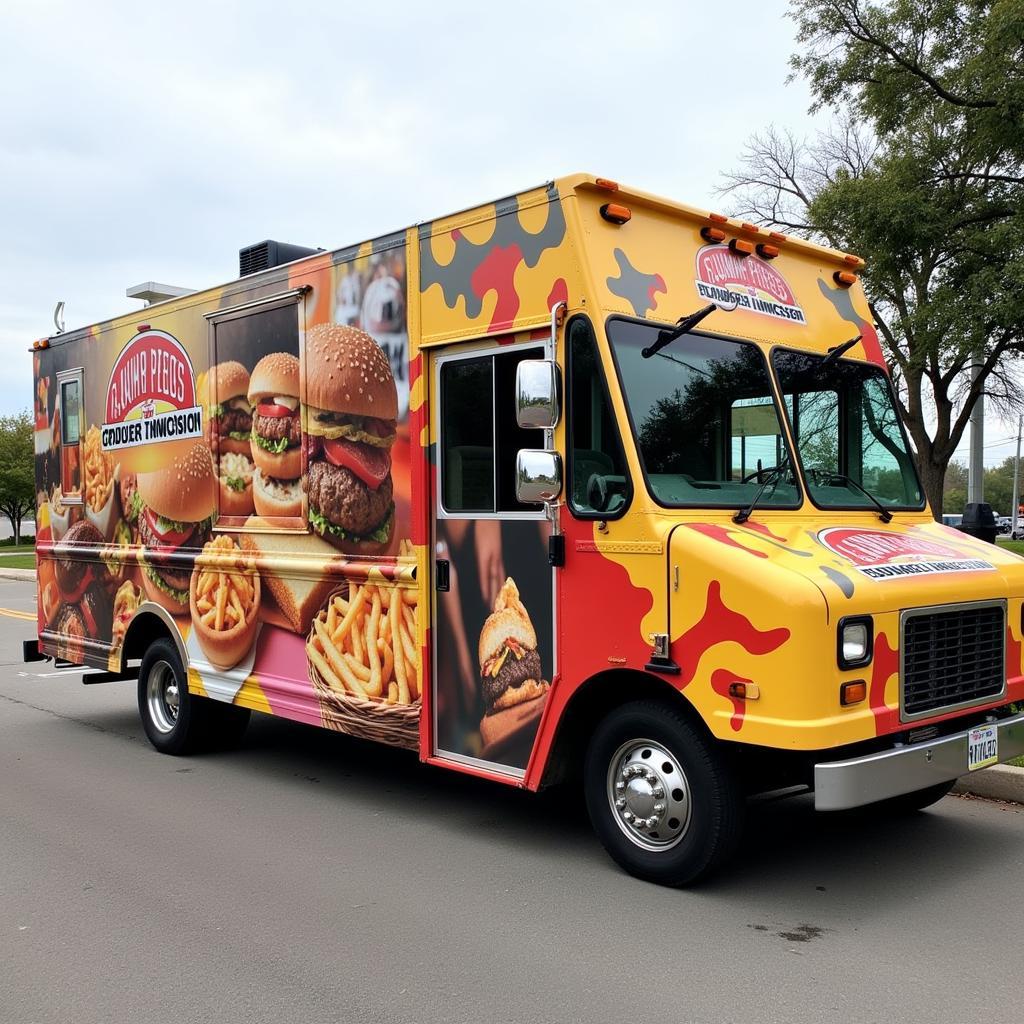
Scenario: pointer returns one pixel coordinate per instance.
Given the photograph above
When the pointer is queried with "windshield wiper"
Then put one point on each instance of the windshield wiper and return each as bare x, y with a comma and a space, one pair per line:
685, 324
771, 477
833, 355
883, 513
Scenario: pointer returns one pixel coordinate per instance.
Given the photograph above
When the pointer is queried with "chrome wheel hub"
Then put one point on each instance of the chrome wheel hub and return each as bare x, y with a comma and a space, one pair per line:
162, 697
649, 794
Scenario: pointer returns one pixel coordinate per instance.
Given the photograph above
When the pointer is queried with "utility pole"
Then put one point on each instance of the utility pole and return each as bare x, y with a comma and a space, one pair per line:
976, 465
1016, 482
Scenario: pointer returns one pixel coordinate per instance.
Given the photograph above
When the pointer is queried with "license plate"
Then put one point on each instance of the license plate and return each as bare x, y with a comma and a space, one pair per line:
982, 748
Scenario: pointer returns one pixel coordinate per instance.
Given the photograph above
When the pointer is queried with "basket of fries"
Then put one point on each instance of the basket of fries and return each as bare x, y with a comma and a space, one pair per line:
361, 651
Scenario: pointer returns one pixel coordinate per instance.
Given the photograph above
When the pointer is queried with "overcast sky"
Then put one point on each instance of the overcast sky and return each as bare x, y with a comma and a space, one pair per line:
151, 141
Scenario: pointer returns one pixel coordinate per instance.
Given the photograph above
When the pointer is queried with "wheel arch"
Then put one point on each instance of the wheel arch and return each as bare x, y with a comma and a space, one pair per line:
591, 701
149, 623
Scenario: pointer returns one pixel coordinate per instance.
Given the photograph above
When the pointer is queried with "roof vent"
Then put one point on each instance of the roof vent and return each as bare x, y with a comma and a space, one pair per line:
266, 254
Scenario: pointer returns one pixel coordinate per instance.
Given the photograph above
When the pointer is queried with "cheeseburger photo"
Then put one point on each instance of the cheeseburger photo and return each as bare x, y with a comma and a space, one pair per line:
352, 406
178, 503
231, 417
513, 683
276, 435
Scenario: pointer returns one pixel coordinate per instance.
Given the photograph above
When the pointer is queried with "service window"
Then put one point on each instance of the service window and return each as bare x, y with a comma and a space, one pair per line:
599, 483
480, 437
71, 436
255, 424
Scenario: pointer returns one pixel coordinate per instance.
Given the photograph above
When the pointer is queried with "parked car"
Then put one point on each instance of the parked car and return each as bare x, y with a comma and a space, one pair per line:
952, 520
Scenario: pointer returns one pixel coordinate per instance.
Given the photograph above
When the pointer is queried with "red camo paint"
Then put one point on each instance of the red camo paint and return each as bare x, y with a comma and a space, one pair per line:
658, 285
872, 346
559, 292
722, 535
496, 272
721, 680
1014, 669
883, 667
717, 625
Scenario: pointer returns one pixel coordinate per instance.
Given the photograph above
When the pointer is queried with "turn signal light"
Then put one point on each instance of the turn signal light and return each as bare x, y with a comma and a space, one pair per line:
741, 247
615, 213
767, 252
844, 278
712, 234
744, 691
853, 692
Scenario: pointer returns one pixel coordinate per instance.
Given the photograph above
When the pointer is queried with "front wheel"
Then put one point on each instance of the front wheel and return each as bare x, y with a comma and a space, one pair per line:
662, 798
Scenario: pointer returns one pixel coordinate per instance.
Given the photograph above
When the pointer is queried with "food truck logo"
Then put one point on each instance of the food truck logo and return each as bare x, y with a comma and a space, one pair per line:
750, 282
151, 396
880, 555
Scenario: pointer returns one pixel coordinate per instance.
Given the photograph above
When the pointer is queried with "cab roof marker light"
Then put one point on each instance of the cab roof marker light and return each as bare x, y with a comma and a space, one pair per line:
615, 213
607, 183
778, 236
741, 247
712, 234
853, 261
844, 278
718, 218
767, 252
751, 227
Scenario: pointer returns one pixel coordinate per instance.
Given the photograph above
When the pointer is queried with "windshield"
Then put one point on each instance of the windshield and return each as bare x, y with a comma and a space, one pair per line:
847, 432
705, 421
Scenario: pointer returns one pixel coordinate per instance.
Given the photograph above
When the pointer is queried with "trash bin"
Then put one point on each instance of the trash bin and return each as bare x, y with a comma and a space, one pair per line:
979, 521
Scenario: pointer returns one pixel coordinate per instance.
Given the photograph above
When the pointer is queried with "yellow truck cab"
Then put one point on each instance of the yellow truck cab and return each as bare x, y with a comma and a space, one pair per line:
583, 479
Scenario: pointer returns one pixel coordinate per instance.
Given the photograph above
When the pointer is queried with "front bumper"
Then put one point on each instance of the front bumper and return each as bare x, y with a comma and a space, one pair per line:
904, 769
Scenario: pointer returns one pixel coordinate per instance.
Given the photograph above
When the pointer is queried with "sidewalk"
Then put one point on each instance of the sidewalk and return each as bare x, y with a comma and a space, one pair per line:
16, 574
1000, 782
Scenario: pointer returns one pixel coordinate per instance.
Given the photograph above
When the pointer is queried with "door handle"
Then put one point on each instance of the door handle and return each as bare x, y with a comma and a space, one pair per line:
442, 575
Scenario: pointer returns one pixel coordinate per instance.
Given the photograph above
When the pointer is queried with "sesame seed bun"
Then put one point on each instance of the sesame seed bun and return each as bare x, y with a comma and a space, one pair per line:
231, 381
276, 374
185, 490
348, 372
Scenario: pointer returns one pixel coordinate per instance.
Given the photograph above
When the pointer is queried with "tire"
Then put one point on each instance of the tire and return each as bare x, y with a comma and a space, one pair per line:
170, 714
175, 721
647, 748
908, 803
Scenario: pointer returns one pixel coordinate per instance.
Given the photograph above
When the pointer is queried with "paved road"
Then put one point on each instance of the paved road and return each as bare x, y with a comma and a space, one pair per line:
307, 877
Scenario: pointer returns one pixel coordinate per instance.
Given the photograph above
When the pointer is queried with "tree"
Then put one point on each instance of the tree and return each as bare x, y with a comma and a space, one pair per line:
17, 470
922, 173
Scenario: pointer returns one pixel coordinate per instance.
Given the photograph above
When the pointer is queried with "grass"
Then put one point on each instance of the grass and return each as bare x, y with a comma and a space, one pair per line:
22, 561
1016, 546
15, 549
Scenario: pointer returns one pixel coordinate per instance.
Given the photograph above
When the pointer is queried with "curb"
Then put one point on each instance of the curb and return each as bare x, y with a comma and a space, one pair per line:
1000, 782
17, 574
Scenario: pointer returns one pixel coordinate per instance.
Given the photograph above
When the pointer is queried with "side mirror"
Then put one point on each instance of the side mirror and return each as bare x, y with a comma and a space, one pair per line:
537, 394
538, 476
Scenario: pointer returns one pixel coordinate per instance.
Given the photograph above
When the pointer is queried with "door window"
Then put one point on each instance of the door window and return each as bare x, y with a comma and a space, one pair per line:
71, 436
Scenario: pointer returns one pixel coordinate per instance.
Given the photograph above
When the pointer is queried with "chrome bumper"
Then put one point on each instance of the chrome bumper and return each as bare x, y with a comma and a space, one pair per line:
904, 769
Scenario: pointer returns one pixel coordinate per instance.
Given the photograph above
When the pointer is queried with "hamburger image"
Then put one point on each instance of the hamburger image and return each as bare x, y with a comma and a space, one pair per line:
178, 505
231, 417
276, 438
352, 406
513, 683
234, 476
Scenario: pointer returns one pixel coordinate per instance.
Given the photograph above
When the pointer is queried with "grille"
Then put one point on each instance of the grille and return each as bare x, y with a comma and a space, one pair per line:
253, 258
952, 657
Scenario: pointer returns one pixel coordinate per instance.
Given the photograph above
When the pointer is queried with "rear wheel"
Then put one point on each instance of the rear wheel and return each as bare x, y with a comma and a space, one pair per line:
176, 721
662, 798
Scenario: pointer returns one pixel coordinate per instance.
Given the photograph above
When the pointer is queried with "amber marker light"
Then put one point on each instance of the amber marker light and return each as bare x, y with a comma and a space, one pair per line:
712, 234
744, 691
853, 692
718, 218
853, 261
778, 236
844, 278
767, 252
141, 327
615, 213
607, 183
742, 247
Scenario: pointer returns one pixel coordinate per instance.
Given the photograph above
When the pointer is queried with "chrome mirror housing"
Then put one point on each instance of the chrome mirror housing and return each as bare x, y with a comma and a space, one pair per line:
538, 476
537, 392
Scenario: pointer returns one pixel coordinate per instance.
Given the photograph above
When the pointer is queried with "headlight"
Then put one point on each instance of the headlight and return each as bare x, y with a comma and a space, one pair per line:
854, 646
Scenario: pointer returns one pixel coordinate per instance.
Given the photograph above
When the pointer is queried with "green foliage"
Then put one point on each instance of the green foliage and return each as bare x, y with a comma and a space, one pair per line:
17, 469
998, 487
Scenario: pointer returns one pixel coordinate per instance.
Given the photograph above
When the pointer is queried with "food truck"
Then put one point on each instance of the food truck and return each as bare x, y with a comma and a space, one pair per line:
582, 483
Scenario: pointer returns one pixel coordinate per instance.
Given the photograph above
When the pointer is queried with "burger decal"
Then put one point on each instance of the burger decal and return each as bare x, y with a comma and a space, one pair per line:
276, 435
352, 408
